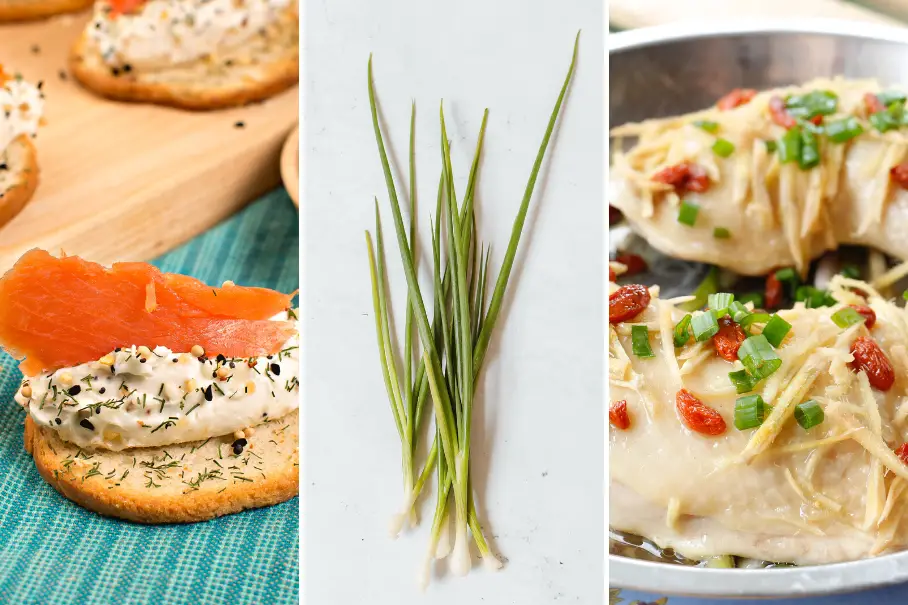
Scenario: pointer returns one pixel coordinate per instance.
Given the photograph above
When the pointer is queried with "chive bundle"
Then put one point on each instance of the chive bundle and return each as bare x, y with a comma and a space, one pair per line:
454, 345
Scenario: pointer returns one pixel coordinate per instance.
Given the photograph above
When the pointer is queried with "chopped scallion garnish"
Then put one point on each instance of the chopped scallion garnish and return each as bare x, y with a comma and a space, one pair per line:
809, 155
814, 103
771, 146
687, 214
809, 414
709, 285
789, 146
758, 357
723, 148
786, 274
721, 233
682, 331
750, 412
705, 326
738, 311
851, 272
847, 317
888, 97
719, 302
744, 382
841, 131
813, 298
640, 341
707, 125
776, 330
893, 117
754, 297
755, 318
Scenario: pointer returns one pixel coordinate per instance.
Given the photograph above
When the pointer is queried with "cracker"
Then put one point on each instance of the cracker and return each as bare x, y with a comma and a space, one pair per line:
18, 177
28, 10
180, 483
266, 65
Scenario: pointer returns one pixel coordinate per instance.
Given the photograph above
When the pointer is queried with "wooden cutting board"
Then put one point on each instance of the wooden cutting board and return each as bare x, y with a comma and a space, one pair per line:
129, 182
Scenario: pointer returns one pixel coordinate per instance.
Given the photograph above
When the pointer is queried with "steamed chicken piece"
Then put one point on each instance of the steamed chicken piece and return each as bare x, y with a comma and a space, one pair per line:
834, 492
776, 214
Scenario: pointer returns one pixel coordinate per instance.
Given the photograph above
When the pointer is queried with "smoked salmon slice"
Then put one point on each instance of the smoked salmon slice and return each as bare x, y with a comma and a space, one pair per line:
61, 312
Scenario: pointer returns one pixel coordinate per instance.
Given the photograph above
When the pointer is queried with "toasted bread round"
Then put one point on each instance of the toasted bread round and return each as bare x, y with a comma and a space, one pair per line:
27, 10
18, 177
180, 483
265, 66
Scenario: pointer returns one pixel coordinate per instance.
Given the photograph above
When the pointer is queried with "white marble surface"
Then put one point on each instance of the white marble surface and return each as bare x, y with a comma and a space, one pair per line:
539, 429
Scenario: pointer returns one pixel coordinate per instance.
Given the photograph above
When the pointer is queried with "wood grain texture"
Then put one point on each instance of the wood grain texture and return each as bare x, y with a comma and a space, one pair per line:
129, 182
629, 14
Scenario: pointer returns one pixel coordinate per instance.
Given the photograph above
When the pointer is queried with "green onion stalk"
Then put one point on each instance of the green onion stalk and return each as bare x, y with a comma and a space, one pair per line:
442, 358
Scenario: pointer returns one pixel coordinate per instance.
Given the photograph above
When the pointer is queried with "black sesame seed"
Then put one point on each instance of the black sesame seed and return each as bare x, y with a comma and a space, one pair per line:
58, 421
239, 124
36, 49
142, 360
264, 414
209, 395
86, 423
4, 166
232, 365
275, 369
62, 74
74, 390
98, 410
117, 350
221, 358
102, 390
127, 68
115, 71
40, 84
270, 357
238, 446
175, 359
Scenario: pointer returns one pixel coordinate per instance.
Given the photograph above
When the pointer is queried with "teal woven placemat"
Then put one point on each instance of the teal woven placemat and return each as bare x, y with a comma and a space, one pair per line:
54, 552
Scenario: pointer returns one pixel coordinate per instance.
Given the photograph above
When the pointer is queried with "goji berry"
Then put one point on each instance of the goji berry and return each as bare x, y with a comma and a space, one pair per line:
816, 120
617, 415
872, 104
634, 263
685, 176
728, 339
736, 98
698, 416
869, 357
773, 297
902, 453
867, 312
780, 114
614, 215
899, 174
627, 302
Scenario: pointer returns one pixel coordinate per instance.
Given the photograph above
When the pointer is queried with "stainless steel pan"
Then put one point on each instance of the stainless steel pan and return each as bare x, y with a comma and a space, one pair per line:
669, 70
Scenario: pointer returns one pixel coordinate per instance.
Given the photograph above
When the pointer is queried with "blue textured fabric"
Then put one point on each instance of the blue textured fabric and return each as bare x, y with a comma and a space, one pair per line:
54, 552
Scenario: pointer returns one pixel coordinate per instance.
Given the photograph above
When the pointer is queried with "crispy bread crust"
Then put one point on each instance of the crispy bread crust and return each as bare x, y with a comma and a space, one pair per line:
269, 65
28, 10
158, 487
21, 159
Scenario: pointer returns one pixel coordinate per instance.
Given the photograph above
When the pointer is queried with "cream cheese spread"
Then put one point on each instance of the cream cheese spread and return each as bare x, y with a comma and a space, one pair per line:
21, 108
138, 397
163, 33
